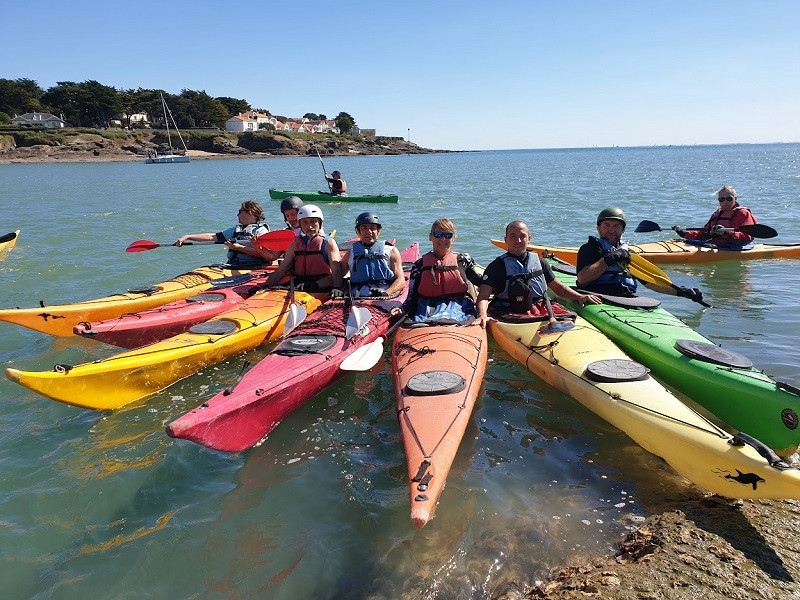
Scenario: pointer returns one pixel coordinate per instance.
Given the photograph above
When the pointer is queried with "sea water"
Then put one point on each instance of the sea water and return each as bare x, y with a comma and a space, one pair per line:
105, 505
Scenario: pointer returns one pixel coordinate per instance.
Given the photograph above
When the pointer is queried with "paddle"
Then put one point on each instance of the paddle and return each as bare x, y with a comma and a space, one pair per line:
274, 240
358, 317
757, 230
330, 188
365, 357
297, 313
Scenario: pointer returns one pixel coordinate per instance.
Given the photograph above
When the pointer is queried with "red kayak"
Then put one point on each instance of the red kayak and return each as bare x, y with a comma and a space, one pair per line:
134, 330
308, 360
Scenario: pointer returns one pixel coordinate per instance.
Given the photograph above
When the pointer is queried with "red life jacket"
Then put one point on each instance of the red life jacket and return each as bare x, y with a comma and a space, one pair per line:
441, 278
309, 258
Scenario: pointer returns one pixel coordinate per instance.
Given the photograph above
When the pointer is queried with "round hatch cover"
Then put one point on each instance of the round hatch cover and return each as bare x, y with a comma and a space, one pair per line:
616, 370
211, 297
306, 343
713, 354
434, 383
213, 328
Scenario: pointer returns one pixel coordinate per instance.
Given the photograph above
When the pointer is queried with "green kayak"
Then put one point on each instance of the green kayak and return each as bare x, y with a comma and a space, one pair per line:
326, 197
723, 382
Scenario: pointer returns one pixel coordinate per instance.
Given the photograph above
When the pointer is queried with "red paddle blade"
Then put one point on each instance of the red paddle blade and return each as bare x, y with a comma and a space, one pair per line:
275, 240
141, 246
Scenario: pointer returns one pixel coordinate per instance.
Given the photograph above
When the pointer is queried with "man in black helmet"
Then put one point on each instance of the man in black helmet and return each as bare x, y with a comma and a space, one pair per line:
375, 267
289, 208
337, 184
603, 260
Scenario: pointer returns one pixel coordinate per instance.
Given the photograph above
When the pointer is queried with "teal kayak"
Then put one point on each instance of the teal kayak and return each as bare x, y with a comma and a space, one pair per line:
327, 197
723, 382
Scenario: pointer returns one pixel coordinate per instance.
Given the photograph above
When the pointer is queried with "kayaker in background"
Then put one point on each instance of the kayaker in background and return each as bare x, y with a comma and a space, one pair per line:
519, 281
602, 262
375, 267
729, 214
241, 251
438, 285
289, 208
337, 184
313, 259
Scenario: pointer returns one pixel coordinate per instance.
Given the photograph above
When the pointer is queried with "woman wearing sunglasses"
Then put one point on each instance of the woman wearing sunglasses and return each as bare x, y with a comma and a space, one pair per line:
438, 284
729, 214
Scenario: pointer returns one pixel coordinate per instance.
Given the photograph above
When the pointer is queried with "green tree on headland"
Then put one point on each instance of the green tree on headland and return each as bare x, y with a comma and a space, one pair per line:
18, 96
344, 122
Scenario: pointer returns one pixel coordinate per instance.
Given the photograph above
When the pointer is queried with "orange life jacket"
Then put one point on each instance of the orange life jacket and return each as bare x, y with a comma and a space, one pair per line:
309, 257
441, 278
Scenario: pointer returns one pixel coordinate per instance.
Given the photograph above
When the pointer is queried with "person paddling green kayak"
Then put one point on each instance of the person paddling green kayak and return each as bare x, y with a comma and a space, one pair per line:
602, 262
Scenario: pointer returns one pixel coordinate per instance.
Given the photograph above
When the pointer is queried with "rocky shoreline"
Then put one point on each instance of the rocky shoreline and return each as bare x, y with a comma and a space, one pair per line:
91, 147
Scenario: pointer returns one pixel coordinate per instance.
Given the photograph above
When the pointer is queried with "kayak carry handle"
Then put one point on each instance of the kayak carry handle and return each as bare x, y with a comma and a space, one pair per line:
741, 438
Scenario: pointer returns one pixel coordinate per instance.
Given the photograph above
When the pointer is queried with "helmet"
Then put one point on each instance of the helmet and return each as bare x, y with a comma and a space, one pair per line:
336, 174
310, 210
367, 218
612, 213
291, 202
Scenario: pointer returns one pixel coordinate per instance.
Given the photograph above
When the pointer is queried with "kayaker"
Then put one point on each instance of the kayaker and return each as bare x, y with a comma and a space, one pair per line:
313, 259
438, 283
519, 281
289, 208
602, 261
375, 267
238, 239
338, 185
729, 214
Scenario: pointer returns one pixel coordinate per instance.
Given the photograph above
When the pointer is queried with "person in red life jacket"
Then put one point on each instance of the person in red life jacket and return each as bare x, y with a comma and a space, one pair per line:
313, 259
438, 287
289, 208
375, 267
337, 184
729, 214
238, 239
519, 281
603, 260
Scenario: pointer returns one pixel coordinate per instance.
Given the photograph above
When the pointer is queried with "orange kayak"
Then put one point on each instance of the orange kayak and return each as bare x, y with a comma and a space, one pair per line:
438, 371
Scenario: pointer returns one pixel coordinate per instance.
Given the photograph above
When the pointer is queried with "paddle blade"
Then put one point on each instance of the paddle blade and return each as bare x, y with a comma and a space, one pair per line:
276, 240
297, 314
142, 245
646, 226
556, 327
359, 317
758, 231
365, 357
643, 269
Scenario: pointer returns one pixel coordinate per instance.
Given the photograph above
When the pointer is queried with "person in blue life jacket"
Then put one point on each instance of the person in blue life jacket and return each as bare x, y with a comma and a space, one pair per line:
438, 286
289, 208
602, 262
375, 267
519, 280
241, 251
313, 259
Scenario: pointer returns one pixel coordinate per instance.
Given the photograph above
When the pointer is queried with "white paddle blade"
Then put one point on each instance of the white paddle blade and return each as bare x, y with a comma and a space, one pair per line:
365, 357
297, 315
359, 317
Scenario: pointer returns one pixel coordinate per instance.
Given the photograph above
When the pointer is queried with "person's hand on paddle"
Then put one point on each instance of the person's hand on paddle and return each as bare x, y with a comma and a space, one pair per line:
617, 256
717, 230
181, 241
679, 230
693, 294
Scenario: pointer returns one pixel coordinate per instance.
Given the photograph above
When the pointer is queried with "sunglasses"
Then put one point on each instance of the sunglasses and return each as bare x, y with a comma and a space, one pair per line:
725, 199
448, 235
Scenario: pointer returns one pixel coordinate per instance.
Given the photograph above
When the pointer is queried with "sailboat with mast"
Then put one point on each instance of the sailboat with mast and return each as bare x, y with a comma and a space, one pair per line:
157, 158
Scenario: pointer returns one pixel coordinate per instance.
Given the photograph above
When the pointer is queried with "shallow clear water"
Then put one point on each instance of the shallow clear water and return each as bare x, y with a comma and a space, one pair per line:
105, 504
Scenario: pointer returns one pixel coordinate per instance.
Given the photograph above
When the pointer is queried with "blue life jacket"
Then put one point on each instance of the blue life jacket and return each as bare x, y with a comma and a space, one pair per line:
456, 310
525, 284
614, 274
370, 265
241, 234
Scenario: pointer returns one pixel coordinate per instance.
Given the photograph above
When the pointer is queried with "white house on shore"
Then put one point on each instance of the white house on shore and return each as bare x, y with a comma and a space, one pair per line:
253, 121
39, 119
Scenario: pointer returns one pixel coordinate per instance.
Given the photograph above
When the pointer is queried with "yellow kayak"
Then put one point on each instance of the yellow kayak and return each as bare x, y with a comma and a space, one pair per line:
7, 242
583, 363
115, 381
60, 319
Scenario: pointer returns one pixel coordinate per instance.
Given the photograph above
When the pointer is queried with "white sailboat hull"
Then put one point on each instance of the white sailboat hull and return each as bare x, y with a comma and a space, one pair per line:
167, 158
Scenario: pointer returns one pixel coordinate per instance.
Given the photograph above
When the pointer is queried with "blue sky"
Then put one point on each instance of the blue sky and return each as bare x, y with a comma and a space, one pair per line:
459, 75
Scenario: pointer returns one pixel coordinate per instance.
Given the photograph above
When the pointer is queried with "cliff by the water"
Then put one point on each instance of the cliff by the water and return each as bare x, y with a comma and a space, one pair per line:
86, 145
